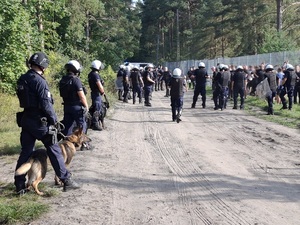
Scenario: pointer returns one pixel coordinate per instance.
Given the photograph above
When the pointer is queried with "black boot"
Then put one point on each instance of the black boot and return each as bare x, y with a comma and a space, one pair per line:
70, 184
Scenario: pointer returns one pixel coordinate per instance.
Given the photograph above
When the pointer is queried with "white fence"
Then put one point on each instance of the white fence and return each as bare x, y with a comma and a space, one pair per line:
276, 59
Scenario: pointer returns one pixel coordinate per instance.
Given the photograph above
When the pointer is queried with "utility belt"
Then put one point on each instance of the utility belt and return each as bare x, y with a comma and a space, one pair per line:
93, 93
72, 103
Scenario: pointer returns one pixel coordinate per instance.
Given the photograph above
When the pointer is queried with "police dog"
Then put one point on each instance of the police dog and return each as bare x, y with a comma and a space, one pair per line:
100, 116
36, 168
69, 145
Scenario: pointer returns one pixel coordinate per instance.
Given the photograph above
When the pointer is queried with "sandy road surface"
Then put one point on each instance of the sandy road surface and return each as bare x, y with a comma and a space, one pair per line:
215, 167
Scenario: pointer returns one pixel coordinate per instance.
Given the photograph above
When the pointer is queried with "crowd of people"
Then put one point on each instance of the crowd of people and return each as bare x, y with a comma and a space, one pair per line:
234, 83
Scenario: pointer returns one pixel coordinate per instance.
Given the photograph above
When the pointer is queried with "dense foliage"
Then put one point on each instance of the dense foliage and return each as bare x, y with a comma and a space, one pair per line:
205, 29
152, 30
84, 30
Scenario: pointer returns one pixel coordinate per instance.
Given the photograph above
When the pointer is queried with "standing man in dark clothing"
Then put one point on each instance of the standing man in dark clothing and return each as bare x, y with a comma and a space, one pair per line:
200, 76
271, 76
148, 83
238, 86
259, 76
126, 75
288, 83
297, 86
191, 76
177, 86
137, 84
119, 81
74, 100
96, 91
37, 119
222, 81
166, 77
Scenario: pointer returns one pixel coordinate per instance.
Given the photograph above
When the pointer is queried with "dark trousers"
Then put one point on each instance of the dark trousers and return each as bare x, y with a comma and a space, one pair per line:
73, 114
236, 92
176, 106
199, 90
290, 92
147, 91
96, 104
136, 90
223, 97
270, 102
32, 130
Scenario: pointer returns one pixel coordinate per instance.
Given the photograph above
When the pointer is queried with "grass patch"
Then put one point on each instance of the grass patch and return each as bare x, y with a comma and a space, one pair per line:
258, 107
16, 209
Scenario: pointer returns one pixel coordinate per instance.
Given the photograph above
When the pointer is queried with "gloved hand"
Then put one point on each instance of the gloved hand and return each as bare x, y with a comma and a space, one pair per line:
85, 111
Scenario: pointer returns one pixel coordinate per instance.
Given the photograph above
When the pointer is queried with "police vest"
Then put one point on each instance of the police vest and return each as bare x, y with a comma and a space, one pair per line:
67, 89
25, 91
272, 80
291, 78
134, 76
176, 87
239, 79
200, 76
225, 77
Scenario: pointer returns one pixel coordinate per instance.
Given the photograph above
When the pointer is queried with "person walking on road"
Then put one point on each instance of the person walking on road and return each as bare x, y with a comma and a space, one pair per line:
200, 76
177, 85
238, 83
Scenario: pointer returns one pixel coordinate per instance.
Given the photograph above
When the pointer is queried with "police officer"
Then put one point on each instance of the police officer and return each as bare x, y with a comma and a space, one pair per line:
223, 81
74, 100
200, 76
97, 90
166, 76
137, 84
148, 83
126, 74
271, 77
177, 85
36, 121
288, 83
119, 81
238, 86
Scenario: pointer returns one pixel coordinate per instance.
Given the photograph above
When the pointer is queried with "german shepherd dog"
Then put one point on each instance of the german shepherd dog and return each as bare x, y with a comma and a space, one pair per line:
36, 168
102, 114
69, 145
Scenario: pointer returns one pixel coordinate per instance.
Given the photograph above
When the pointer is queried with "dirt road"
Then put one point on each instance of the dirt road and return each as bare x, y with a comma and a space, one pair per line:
214, 167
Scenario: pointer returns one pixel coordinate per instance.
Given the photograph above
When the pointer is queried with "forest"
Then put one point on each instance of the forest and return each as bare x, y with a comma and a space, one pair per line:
115, 31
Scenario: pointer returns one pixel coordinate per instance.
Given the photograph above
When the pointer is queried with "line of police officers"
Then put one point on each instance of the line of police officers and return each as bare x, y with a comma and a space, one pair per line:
225, 81
38, 121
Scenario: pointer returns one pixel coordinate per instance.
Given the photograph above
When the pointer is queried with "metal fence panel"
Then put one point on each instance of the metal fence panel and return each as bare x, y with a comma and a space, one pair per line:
276, 59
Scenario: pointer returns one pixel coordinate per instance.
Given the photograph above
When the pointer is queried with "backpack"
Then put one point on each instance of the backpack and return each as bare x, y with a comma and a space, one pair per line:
22, 91
65, 86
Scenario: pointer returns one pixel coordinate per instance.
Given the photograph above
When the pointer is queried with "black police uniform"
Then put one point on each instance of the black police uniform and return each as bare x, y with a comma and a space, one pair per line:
147, 87
288, 88
271, 76
200, 88
119, 82
238, 80
221, 92
93, 78
135, 77
166, 76
69, 85
126, 85
176, 92
37, 103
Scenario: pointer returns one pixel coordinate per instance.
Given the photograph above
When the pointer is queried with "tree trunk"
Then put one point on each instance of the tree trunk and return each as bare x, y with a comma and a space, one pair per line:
39, 16
279, 14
